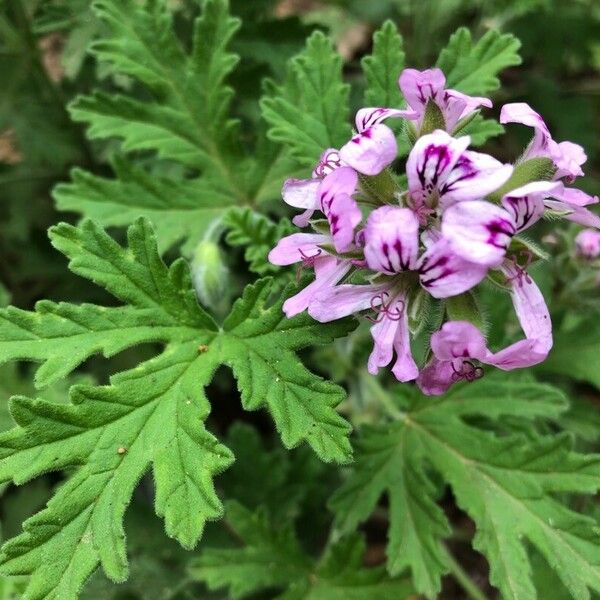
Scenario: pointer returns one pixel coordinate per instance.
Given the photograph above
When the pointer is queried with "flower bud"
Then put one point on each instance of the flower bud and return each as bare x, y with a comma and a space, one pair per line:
209, 274
588, 243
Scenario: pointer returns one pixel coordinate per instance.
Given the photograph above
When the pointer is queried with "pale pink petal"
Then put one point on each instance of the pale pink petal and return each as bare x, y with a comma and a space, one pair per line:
444, 274
573, 196
301, 193
296, 247
458, 339
473, 176
343, 215
328, 271
344, 300
457, 106
391, 239
521, 354
529, 305
371, 150
577, 214
526, 203
341, 181
436, 377
520, 112
478, 231
431, 161
418, 87
303, 219
568, 158
405, 368
367, 117
383, 333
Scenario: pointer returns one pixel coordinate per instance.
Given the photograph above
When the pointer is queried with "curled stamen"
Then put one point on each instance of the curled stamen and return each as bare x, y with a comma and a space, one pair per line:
521, 270
468, 371
329, 163
383, 308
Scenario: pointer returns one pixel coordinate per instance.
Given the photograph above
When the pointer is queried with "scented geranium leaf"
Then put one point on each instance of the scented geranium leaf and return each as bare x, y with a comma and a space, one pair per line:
272, 559
507, 484
472, 68
481, 130
258, 234
309, 113
575, 354
383, 68
151, 416
180, 209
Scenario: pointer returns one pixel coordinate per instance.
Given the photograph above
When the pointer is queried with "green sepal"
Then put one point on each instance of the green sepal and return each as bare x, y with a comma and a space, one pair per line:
519, 245
465, 307
381, 188
433, 119
533, 169
465, 122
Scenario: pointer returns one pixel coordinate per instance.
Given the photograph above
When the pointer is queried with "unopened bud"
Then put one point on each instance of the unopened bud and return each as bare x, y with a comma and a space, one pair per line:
588, 243
209, 274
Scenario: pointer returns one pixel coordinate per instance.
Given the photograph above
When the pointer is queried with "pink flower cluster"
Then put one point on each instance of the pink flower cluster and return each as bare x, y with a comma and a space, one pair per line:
439, 235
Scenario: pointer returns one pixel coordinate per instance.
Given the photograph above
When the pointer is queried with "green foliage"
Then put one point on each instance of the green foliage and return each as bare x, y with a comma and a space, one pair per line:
383, 67
257, 234
506, 484
272, 558
150, 415
309, 113
473, 68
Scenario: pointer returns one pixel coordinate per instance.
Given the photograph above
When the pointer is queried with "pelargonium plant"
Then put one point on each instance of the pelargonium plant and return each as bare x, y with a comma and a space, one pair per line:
190, 375
390, 247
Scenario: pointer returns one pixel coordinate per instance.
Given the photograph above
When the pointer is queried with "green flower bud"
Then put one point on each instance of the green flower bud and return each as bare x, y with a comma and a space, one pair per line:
210, 274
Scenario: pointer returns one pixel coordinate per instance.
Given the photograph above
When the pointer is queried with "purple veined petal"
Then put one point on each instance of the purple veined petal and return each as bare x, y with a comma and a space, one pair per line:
391, 240
328, 271
436, 377
343, 215
529, 304
303, 219
577, 214
443, 273
573, 196
521, 354
329, 161
341, 181
478, 231
457, 106
473, 176
568, 158
458, 339
383, 333
367, 117
371, 150
405, 368
431, 161
588, 243
521, 112
297, 247
418, 87
343, 300
526, 204
301, 193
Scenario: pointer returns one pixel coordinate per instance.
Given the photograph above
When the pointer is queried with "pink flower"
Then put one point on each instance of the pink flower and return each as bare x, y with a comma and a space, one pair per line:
442, 171
306, 248
420, 87
374, 147
588, 243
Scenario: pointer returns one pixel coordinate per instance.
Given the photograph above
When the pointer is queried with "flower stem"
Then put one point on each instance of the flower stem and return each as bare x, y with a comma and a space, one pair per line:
463, 579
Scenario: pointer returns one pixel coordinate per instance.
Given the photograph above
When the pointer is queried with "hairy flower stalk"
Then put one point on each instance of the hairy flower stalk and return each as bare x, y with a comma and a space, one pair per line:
455, 222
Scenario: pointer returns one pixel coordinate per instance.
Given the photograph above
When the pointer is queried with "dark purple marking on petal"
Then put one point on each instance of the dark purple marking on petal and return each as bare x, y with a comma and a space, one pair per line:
464, 170
522, 209
498, 228
441, 155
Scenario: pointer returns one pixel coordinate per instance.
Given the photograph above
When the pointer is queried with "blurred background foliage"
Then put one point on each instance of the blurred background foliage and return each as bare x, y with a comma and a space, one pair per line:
44, 65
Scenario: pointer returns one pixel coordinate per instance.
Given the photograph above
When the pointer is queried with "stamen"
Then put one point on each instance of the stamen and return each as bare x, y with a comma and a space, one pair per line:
521, 271
307, 262
468, 371
383, 308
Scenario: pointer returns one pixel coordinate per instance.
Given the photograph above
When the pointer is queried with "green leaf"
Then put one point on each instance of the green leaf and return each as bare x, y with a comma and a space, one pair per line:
473, 68
257, 234
309, 112
272, 558
382, 68
575, 354
507, 484
150, 416
481, 130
